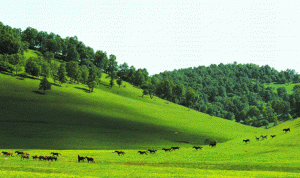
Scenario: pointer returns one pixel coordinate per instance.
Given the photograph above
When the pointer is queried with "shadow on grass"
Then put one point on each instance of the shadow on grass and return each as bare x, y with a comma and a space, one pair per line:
55, 84
38, 92
5, 72
182, 142
84, 89
20, 78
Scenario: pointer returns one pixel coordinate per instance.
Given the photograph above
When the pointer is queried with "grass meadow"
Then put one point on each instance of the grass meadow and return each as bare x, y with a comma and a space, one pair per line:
72, 121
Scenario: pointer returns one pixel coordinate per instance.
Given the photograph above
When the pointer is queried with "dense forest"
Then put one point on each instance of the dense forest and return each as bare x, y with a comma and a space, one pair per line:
231, 91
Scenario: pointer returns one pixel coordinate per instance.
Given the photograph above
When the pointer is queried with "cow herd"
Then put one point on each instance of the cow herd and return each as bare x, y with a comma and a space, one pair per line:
265, 136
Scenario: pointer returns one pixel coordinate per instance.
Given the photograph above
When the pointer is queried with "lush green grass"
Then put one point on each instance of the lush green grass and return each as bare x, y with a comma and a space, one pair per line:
277, 157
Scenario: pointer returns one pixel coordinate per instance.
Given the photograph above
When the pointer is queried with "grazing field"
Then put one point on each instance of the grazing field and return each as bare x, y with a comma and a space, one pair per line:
73, 122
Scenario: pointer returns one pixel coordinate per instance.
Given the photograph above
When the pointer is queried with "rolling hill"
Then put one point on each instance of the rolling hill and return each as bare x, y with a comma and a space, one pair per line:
69, 117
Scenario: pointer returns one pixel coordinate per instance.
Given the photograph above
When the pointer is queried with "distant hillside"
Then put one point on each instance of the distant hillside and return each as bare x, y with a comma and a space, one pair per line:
246, 93
69, 117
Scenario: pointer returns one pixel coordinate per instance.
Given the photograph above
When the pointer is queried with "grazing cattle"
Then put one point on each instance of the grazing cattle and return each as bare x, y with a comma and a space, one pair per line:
212, 144
55, 154
35, 157
80, 158
273, 136
288, 129
90, 159
166, 149
175, 148
24, 157
198, 147
264, 136
142, 152
119, 152
257, 138
246, 141
4, 152
152, 151
19, 153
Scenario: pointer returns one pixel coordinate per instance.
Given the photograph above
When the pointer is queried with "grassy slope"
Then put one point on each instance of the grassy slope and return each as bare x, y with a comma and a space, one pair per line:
70, 118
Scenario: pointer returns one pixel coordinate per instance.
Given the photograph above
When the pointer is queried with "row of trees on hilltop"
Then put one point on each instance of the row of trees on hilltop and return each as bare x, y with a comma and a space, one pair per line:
77, 61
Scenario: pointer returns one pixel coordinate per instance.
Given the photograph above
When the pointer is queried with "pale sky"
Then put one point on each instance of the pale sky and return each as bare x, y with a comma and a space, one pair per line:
166, 35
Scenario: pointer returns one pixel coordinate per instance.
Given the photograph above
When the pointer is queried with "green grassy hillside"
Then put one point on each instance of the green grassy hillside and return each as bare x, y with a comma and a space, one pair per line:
69, 117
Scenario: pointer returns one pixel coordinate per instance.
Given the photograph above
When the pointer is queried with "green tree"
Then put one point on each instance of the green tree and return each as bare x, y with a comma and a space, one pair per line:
45, 69
123, 71
32, 67
131, 76
45, 85
41, 41
62, 73
54, 65
72, 69
29, 35
101, 60
112, 69
139, 78
190, 97
91, 85
84, 74
48, 57
18, 61
119, 82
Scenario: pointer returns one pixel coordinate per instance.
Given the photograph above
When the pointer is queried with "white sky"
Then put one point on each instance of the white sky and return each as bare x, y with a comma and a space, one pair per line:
166, 35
